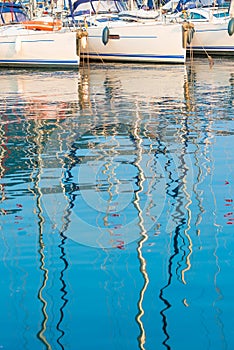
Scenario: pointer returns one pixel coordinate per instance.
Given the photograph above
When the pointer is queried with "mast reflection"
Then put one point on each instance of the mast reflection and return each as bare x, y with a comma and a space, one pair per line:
177, 189
36, 190
37, 138
143, 232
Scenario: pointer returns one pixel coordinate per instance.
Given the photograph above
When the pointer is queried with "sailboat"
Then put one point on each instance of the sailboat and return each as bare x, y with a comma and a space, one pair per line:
213, 28
111, 38
35, 42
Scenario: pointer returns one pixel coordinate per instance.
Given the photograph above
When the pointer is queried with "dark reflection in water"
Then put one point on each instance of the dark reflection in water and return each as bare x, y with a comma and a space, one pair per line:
117, 207
181, 241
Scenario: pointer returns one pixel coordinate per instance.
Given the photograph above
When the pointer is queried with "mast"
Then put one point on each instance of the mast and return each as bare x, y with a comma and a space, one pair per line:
32, 8
231, 9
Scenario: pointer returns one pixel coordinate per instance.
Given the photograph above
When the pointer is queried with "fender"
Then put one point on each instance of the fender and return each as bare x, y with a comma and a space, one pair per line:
231, 27
105, 35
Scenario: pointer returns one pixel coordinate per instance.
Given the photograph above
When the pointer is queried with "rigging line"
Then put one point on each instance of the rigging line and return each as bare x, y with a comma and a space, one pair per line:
210, 59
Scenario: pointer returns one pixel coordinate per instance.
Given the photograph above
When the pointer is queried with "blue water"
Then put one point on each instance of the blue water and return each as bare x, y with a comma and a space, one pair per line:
116, 207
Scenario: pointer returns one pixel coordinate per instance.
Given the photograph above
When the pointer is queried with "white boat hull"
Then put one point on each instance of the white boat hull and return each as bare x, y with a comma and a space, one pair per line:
212, 38
136, 42
20, 47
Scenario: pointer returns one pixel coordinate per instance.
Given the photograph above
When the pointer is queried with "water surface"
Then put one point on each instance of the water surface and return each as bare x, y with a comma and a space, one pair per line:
116, 207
